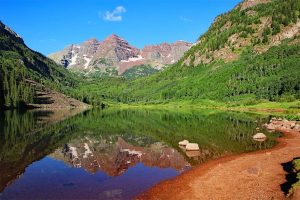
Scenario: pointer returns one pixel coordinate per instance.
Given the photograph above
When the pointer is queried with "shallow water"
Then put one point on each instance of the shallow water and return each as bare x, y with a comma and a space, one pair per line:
113, 154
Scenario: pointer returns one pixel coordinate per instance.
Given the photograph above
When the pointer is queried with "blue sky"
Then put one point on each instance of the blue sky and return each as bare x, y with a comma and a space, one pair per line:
50, 25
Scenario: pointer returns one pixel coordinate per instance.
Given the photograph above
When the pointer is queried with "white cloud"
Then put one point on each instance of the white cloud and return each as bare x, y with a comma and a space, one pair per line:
185, 19
115, 15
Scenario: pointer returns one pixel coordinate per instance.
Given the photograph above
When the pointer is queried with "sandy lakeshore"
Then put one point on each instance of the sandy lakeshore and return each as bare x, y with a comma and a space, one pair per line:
256, 175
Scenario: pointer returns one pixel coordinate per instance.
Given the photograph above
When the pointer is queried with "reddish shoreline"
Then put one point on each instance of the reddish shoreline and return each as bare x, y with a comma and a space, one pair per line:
254, 175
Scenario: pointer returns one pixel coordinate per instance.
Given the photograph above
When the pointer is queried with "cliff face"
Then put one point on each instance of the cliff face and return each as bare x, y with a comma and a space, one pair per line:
115, 52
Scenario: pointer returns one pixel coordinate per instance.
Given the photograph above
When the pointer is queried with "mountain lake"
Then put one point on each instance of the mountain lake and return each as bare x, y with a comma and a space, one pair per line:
114, 153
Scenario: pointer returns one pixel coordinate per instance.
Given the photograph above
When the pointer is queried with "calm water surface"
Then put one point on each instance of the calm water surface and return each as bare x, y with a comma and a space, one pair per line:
112, 154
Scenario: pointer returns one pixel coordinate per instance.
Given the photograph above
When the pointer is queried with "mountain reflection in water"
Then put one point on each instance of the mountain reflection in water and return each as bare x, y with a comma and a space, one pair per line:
114, 158
112, 154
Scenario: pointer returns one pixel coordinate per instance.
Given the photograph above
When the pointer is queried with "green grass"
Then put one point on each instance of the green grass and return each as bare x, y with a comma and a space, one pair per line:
281, 107
295, 105
296, 168
296, 164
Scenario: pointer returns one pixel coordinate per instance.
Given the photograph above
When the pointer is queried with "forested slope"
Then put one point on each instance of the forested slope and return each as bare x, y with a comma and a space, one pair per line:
19, 63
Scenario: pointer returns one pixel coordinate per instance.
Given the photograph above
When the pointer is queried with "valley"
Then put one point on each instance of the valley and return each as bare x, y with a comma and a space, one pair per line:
138, 118
245, 58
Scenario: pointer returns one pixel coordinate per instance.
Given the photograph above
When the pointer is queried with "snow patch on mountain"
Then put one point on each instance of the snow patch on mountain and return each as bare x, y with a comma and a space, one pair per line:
73, 60
87, 61
133, 59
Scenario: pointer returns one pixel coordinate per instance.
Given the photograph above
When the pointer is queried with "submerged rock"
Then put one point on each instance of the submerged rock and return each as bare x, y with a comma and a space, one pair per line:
260, 140
192, 154
183, 142
192, 147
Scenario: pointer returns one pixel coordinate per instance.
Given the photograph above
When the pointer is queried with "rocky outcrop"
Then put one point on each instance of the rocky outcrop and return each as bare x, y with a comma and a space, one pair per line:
116, 52
287, 32
250, 3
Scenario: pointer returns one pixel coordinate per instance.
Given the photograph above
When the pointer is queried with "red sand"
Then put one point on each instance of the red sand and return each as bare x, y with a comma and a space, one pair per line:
256, 175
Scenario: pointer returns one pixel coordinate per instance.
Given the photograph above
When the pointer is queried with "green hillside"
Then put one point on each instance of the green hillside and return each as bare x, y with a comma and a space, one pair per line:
259, 26
139, 71
262, 63
18, 63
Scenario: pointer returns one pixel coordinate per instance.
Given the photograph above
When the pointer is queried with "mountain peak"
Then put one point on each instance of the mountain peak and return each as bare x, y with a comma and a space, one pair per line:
116, 52
114, 37
91, 41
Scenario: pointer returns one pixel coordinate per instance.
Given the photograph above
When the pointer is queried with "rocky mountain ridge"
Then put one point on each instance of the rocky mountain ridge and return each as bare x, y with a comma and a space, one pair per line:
116, 54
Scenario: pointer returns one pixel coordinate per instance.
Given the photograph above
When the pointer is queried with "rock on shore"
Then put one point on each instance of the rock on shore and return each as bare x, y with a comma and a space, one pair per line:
282, 124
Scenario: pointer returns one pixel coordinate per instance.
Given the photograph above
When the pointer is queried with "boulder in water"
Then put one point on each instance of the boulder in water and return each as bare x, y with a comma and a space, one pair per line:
192, 154
259, 136
183, 142
192, 147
